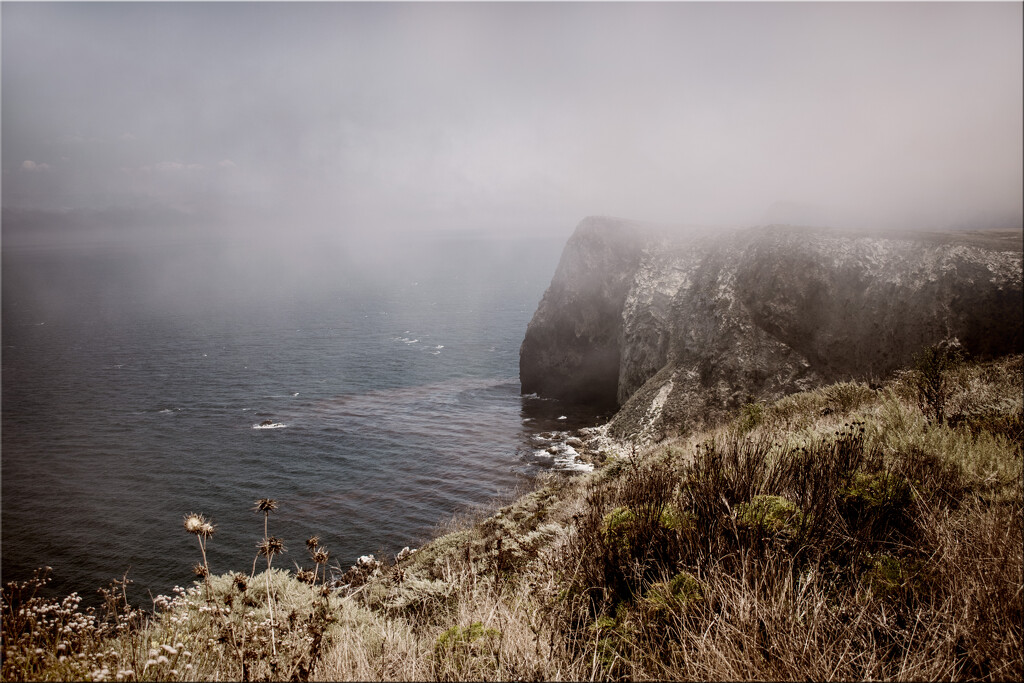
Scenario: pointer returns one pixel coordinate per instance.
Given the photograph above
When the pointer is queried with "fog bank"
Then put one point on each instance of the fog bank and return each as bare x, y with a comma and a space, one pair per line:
332, 120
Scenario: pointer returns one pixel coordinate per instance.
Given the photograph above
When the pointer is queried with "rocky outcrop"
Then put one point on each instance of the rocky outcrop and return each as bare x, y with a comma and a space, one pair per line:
678, 325
573, 345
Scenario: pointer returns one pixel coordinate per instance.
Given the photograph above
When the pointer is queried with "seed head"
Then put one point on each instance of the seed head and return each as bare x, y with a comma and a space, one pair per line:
207, 530
305, 576
271, 546
320, 555
241, 583
312, 542
194, 523
200, 571
266, 505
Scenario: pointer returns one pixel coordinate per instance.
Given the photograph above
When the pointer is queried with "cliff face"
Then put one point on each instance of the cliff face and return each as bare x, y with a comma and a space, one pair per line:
677, 326
573, 344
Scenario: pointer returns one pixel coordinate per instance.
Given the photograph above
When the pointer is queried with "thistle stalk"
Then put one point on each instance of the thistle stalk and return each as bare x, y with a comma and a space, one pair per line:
269, 546
202, 529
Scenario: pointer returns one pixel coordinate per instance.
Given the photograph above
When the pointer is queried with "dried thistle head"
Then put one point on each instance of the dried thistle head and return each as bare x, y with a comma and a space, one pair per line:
266, 505
269, 547
194, 523
200, 570
305, 576
312, 542
321, 555
207, 530
241, 582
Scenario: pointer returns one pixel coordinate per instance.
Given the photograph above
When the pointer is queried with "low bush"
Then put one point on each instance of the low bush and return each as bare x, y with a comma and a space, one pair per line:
932, 366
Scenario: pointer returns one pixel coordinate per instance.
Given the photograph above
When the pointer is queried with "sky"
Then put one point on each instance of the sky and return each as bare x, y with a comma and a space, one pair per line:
362, 118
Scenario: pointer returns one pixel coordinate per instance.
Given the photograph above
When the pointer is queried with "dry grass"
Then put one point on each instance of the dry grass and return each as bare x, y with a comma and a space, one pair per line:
835, 534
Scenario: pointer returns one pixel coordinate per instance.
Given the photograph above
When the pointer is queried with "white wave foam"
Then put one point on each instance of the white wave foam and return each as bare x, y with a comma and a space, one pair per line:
563, 458
573, 466
272, 425
552, 446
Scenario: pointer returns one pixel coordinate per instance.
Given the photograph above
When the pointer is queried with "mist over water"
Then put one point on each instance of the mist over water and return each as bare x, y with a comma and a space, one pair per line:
134, 378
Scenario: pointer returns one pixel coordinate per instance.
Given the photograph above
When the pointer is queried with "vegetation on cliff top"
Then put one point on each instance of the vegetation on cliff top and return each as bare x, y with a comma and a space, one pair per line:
841, 533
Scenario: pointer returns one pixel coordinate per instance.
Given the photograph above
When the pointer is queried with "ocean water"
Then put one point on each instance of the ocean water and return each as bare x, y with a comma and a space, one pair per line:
373, 395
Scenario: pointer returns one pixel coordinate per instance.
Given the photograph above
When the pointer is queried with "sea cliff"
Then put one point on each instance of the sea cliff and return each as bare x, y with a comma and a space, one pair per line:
680, 326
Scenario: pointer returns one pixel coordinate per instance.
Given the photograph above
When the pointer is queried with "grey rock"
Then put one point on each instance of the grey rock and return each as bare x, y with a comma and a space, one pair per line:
677, 326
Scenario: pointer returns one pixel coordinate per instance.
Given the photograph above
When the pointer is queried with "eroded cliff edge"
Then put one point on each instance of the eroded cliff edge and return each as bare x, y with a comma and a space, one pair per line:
679, 325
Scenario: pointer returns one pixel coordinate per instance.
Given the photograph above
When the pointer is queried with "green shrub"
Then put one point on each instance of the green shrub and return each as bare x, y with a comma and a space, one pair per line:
674, 519
768, 514
681, 591
751, 416
876, 506
618, 527
930, 378
894, 580
463, 652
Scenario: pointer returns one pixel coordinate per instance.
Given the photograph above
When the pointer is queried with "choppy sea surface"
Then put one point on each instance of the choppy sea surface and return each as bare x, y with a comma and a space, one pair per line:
373, 398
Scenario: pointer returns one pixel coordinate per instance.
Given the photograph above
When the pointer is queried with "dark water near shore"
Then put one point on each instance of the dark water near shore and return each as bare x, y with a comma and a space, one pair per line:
133, 379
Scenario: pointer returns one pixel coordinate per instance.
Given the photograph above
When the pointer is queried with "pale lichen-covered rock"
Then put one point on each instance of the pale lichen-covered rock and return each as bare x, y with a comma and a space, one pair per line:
678, 326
